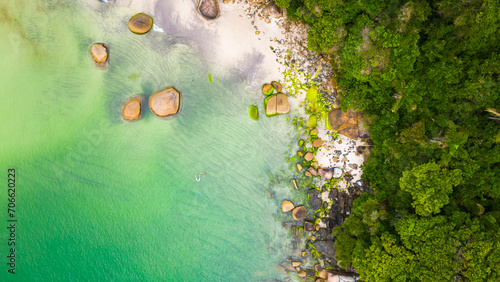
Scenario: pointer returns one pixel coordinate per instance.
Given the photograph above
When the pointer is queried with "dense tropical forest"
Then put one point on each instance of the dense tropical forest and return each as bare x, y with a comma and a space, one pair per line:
426, 76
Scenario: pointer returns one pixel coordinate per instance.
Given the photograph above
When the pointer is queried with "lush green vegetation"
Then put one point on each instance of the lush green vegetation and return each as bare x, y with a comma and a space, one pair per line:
424, 72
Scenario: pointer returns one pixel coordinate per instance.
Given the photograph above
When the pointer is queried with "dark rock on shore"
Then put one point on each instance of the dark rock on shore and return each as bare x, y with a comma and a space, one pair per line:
314, 199
209, 9
308, 226
325, 248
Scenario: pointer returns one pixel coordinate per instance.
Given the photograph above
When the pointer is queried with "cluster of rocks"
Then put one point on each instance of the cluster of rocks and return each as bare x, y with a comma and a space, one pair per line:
165, 103
339, 205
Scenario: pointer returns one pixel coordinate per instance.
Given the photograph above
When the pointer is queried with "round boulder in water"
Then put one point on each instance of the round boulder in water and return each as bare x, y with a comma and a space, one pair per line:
165, 103
132, 109
287, 206
99, 53
140, 23
299, 212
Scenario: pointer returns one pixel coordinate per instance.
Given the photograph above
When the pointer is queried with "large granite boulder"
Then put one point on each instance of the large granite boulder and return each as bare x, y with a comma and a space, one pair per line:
299, 212
132, 109
346, 123
314, 199
273, 10
99, 53
140, 23
276, 104
165, 103
208, 9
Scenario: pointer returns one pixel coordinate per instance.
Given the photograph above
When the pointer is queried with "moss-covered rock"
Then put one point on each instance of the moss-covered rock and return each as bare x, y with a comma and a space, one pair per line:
267, 89
253, 112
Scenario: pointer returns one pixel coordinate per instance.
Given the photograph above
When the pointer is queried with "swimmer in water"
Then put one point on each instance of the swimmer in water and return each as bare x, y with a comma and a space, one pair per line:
197, 177
203, 174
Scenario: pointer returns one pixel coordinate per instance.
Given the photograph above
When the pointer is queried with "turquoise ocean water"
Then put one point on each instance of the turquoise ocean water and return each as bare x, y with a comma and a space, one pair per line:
98, 198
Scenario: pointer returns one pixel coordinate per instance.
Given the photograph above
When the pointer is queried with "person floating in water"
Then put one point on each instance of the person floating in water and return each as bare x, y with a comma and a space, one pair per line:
198, 177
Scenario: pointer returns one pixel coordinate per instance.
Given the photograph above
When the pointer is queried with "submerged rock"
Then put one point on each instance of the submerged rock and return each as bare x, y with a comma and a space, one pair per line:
209, 9
287, 206
299, 212
140, 23
99, 53
165, 103
132, 109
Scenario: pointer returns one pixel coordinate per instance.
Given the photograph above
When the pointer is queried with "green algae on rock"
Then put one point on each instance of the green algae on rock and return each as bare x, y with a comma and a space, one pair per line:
253, 112
267, 89
140, 23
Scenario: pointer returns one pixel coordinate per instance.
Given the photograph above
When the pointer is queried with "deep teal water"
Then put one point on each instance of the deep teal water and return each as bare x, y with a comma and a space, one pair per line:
98, 198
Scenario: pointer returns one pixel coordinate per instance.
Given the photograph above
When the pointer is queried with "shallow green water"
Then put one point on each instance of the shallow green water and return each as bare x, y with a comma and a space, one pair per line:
97, 197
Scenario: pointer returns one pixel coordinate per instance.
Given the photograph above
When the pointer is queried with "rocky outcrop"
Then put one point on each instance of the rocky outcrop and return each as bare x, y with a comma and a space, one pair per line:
350, 123
140, 23
276, 104
299, 212
165, 103
287, 206
208, 9
273, 11
314, 199
132, 109
99, 53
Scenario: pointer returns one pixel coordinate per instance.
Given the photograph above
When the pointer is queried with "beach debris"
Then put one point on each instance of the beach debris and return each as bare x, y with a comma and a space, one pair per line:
253, 112
132, 109
165, 103
208, 9
287, 206
140, 23
99, 53
299, 212
294, 184
267, 89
